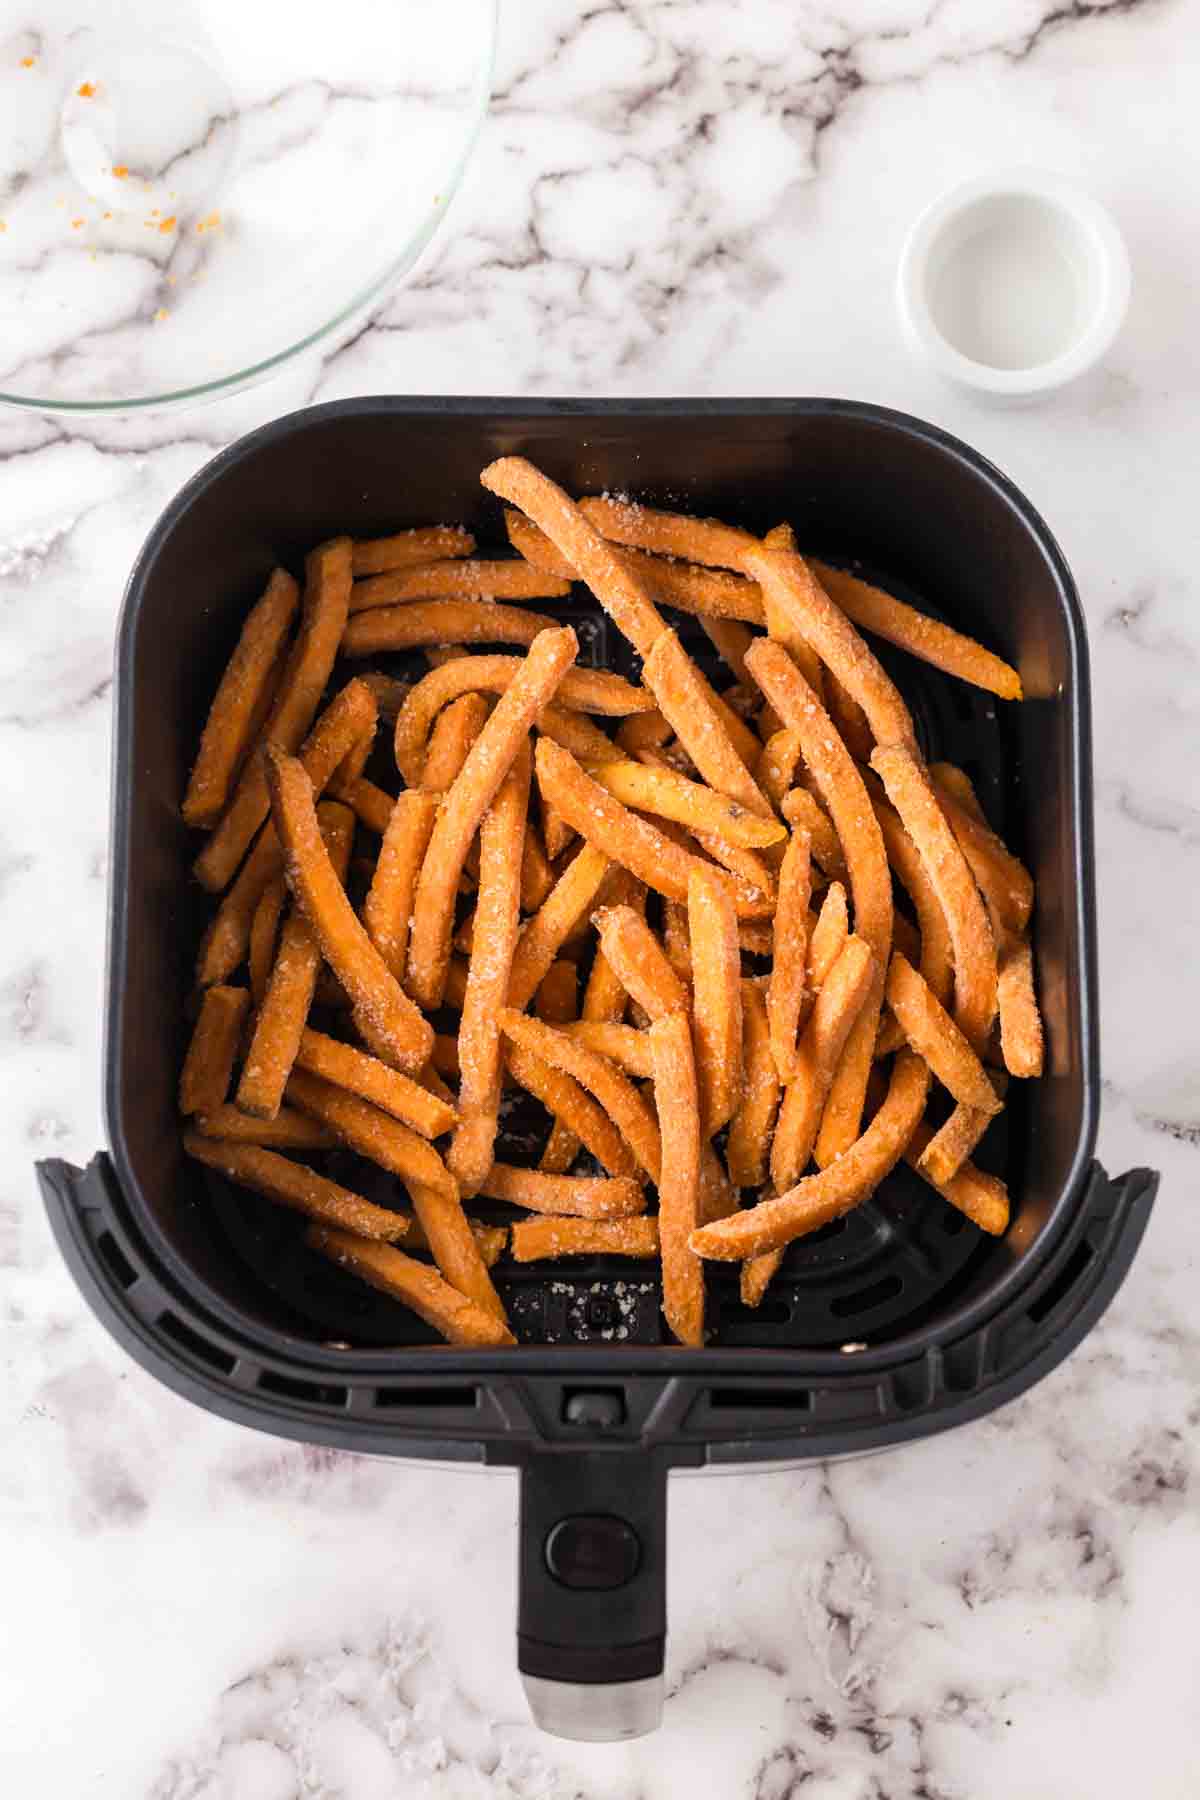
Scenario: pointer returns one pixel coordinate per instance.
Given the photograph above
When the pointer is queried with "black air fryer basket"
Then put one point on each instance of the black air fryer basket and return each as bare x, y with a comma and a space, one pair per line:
896, 1322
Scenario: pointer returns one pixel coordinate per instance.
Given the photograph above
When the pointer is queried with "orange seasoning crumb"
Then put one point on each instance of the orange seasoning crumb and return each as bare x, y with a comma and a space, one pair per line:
86, 90
160, 314
211, 222
77, 223
108, 215
3, 226
167, 224
120, 170
27, 62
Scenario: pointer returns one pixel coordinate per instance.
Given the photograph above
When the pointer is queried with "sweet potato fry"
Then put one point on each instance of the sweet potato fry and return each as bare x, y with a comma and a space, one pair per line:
1004, 881
557, 999
573, 1108
842, 789
677, 1099
717, 997
575, 732
935, 954
404, 549
454, 731
750, 1130
983, 1198
934, 1035
491, 1239
544, 1240
264, 936
444, 1055
707, 541
433, 1190
459, 1319
557, 1003
776, 766
787, 987
677, 941
818, 1199
556, 833
585, 690
387, 629
789, 585
474, 789
873, 610
634, 953
662, 791
953, 1142
835, 1009
541, 938
295, 1185
958, 784
828, 935
577, 1196
707, 592
387, 909
837, 1006
717, 1197
497, 923
372, 1133
537, 877
685, 697
460, 580
288, 1130
621, 592
349, 718
715, 738
228, 733
629, 840
372, 1080
208, 1065
602, 1079
803, 812
533, 544
750, 869
730, 639
279, 1025
432, 1082
371, 806
624, 1045
322, 621
1021, 1036
643, 731
854, 727
912, 795
389, 691
383, 1013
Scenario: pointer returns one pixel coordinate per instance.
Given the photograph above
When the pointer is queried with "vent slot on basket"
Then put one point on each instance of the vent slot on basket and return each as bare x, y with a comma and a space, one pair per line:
212, 1354
767, 1398
1062, 1284
444, 1399
324, 1394
116, 1259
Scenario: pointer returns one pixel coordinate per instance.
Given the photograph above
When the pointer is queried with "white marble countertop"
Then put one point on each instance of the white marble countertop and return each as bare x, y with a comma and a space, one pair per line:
696, 198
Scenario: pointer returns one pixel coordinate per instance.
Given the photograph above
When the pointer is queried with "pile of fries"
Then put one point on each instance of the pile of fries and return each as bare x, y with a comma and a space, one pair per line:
587, 877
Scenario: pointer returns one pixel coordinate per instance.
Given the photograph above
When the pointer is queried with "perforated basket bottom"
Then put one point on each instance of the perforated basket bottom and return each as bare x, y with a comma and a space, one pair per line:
864, 1278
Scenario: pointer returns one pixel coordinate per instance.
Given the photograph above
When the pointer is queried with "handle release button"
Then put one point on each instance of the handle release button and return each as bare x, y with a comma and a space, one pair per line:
593, 1550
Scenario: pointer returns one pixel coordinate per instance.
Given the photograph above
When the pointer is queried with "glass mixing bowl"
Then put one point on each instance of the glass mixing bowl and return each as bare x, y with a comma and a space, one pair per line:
192, 191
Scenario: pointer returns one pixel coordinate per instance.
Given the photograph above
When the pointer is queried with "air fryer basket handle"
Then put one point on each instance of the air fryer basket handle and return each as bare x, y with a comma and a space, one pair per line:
591, 1622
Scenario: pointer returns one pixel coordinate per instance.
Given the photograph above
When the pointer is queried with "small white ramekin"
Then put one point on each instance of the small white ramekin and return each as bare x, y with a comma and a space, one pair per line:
1045, 216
